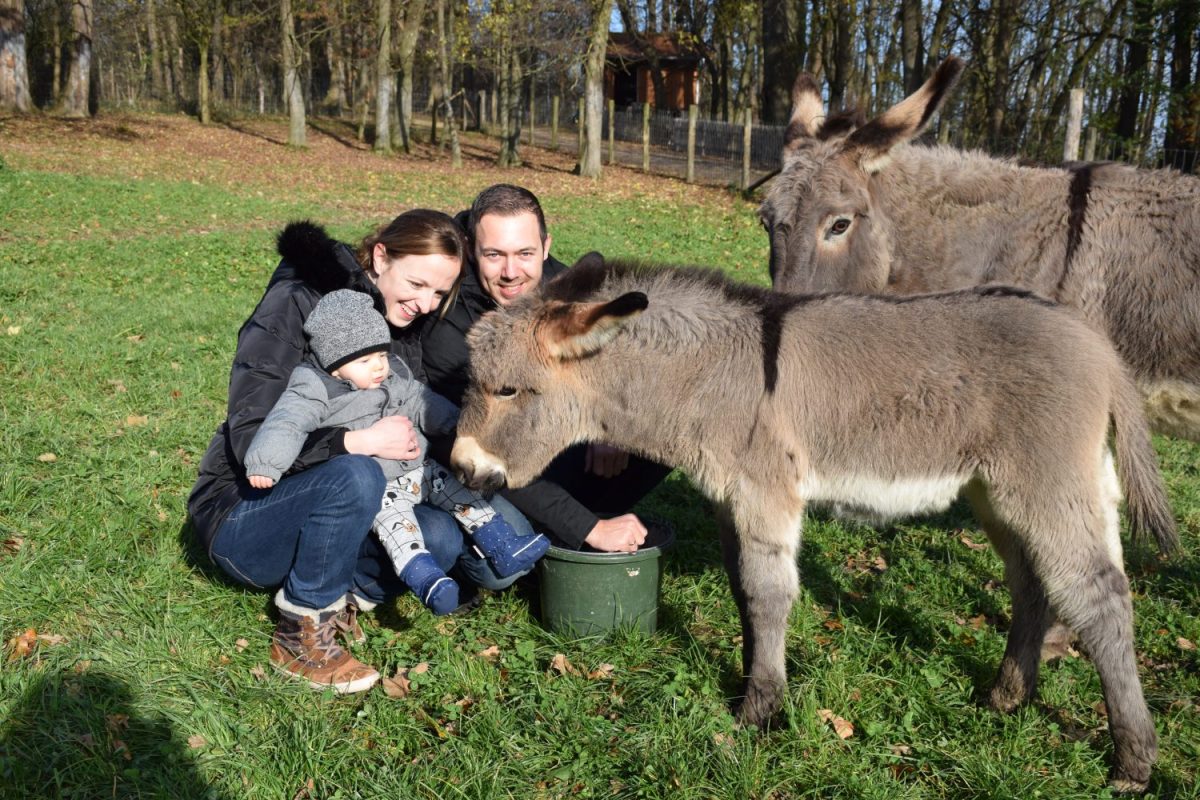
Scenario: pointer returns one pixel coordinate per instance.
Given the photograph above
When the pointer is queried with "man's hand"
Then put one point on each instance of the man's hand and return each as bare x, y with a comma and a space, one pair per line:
625, 533
604, 461
391, 437
260, 481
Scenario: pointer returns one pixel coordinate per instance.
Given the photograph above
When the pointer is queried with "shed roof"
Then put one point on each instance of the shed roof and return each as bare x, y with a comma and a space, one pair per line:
624, 47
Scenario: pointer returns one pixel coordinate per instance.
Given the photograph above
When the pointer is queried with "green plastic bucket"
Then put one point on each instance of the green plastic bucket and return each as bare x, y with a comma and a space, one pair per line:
588, 593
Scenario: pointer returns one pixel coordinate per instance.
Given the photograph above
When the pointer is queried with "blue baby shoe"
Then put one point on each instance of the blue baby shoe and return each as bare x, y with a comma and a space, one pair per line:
507, 552
435, 589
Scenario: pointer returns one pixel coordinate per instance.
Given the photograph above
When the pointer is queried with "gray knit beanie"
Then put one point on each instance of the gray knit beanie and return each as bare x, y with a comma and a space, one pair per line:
345, 326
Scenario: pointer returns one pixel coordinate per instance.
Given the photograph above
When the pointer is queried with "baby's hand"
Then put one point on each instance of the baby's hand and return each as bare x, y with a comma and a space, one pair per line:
261, 481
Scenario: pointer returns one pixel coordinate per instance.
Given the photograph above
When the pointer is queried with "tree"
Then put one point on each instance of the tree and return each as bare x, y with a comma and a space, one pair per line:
1183, 108
593, 66
14, 72
291, 75
410, 29
383, 76
784, 33
75, 97
445, 25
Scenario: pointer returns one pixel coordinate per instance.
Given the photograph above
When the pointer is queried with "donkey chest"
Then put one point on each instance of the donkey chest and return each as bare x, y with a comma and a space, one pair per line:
875, 498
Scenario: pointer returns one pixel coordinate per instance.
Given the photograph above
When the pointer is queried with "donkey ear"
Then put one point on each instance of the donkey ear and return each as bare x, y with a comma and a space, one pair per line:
580, 329
807, 112
873, 142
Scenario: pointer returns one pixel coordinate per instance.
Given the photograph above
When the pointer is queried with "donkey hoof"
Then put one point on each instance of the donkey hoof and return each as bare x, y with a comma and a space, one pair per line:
1005, 700
1127, 785
758, 707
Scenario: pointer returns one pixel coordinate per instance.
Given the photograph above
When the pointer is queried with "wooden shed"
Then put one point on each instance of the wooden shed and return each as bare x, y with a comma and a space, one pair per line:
627, 65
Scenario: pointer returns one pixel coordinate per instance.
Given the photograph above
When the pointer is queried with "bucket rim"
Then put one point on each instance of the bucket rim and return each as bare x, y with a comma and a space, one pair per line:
557, 553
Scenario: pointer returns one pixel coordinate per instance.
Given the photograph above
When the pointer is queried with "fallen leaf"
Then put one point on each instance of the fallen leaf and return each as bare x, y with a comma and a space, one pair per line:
561, 665
971, 543
601, 672
51, 638
241, 644
900, 750
137, 337
722, 740
47, 458
13, 330
22, 644
304, 790
398, 686
258, 673
196, 741
832, 625
489, 653
136, 420
420, 669
841, 727
116, 722
117, 385
118, 746
1185, 644
13, 544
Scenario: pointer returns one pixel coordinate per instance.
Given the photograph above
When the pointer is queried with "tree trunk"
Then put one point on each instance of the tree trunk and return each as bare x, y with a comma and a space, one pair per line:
293, 91
335, 57
1183, 108
912, 45
1135, 69
202, 85
218, 52
410, 29
841, 63
784, 43
1005, 20
593, 71
445, 27
14, 69
75, 97
510, 100
156, 56
383, 76
175, 51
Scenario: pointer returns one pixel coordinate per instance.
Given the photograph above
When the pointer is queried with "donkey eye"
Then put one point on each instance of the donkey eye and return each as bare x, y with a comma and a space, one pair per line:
840, 226
506, 393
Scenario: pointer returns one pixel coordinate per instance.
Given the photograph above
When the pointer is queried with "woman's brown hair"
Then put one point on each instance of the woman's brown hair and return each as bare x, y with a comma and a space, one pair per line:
420, 232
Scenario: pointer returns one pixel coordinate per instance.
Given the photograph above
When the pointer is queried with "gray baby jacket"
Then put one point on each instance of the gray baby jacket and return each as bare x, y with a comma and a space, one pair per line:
315, 399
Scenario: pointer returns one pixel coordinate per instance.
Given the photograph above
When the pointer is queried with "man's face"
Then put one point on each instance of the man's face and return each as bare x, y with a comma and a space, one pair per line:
509, 251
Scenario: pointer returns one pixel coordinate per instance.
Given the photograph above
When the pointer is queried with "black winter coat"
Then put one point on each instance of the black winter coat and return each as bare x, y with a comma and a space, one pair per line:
271, 343
446, 358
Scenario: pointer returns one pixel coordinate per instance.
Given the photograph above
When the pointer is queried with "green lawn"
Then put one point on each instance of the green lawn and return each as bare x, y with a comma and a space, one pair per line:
119, 302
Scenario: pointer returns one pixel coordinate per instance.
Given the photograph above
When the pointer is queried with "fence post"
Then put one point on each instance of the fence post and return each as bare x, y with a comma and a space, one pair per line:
612, 127
1089, 145
554, 122
484, 124
1074, 125
747, 133
579, 126
693, 112
646, 137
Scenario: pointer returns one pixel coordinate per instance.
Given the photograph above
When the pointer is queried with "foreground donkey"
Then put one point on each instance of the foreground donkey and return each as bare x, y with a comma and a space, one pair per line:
770, 402
858, 209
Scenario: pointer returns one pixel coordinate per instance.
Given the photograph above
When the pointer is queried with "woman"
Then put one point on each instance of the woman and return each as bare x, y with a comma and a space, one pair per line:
309, 534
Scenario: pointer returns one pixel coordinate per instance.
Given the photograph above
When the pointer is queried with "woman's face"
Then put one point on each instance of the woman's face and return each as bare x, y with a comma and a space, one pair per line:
412, 285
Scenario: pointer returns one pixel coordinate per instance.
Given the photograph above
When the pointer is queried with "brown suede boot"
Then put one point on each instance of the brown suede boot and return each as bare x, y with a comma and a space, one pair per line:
347, 619
305, 646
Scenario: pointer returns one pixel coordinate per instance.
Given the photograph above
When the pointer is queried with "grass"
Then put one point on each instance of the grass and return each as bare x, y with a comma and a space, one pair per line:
120, 296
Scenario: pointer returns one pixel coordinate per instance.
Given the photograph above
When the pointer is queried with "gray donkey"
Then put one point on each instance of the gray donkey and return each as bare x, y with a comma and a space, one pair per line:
888, 406
856, 208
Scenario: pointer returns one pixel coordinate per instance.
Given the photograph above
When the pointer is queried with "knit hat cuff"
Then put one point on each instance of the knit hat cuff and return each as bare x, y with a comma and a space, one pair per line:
346, 359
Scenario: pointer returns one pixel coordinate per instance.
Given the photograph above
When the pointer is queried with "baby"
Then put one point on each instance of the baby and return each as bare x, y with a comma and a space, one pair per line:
354, 382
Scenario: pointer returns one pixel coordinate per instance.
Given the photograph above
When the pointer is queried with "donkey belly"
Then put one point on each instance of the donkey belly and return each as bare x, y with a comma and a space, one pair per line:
1172, 407
876, 500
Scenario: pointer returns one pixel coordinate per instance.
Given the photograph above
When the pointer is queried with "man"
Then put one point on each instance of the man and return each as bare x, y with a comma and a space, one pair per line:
584, 496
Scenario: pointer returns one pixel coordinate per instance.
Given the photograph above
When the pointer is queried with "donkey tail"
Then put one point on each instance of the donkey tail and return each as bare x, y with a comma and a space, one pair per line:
1137, 466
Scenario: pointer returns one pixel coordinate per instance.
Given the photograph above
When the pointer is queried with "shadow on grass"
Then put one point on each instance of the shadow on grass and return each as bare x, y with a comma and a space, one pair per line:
75, 735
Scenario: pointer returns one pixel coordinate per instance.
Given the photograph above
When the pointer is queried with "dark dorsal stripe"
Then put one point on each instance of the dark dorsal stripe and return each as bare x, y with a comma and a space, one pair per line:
1077, 203
772, 313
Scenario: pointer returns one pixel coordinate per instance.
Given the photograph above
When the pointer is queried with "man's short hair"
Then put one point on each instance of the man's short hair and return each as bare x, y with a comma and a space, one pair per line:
505, 200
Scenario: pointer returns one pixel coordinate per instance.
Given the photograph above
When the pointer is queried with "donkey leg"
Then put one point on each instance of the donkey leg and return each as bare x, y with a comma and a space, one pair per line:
1017, 678
1093, 598
731, 556
768, 578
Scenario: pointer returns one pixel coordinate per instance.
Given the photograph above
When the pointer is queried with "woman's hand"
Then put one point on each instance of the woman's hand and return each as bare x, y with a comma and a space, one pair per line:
391, 437
625, 533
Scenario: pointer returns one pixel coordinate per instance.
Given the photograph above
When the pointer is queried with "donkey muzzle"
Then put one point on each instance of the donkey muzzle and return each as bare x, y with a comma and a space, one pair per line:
475, 467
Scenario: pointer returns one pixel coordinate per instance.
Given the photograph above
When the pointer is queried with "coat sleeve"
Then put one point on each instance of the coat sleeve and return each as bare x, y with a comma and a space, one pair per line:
281, 436
552, 509
270, 346
445, 357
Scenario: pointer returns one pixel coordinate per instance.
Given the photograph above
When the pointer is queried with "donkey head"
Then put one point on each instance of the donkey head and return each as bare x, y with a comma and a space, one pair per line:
827, 230
531, 385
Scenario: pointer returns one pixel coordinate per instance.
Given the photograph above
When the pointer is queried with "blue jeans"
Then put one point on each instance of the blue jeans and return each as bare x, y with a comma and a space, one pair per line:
311, 534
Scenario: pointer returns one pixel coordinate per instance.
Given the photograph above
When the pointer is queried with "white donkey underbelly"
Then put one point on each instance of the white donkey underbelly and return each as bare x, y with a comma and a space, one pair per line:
874, 499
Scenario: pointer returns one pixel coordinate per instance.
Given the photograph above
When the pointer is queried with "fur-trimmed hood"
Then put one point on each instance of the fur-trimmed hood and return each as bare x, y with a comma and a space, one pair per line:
312, 256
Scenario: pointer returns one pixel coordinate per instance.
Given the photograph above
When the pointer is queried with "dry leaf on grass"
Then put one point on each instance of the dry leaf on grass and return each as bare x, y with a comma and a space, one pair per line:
1185, 644
489, 653
971, 543
241, 644
196, 741
12, 545
136, 420
258, 673
562, 666
601, 672
305, 790
400, 685
13, 330
47, 458
841, 727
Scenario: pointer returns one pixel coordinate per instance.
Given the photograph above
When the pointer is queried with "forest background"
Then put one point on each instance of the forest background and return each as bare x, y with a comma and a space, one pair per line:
379, 62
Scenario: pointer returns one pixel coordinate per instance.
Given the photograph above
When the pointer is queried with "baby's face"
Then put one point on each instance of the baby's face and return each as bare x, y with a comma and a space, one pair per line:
366, 372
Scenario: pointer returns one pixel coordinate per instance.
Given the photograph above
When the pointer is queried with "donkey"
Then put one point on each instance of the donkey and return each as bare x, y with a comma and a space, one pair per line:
856, 208
892, 406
